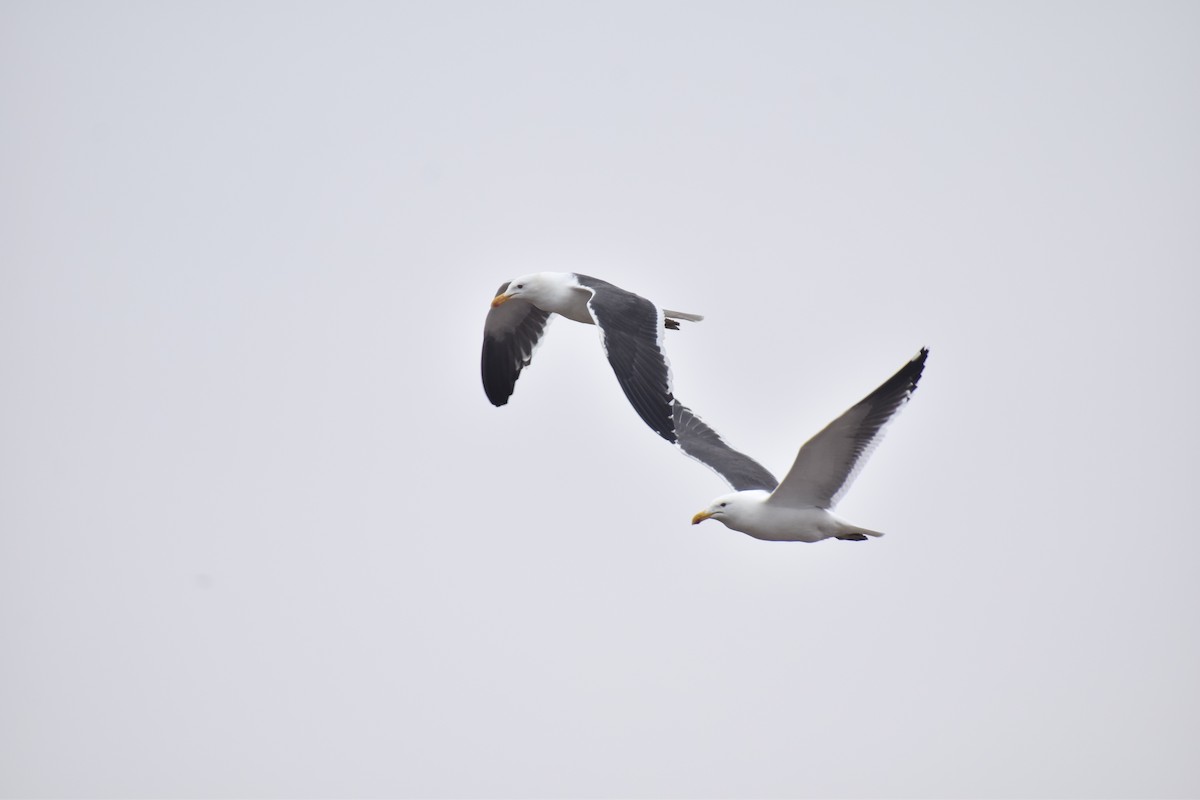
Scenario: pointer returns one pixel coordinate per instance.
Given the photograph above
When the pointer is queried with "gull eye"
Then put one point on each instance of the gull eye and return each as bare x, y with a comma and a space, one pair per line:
724, 504
520, 286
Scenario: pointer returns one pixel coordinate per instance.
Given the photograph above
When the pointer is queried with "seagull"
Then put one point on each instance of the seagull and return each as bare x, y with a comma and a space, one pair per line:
630, 326
799, 509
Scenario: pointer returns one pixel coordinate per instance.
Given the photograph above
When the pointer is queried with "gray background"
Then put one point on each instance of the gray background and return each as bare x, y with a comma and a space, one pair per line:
263, 535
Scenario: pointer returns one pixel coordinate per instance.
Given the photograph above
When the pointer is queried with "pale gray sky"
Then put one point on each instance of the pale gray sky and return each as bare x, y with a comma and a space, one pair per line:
262, 535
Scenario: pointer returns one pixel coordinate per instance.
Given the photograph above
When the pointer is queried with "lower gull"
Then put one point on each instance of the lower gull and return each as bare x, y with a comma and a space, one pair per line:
800, 508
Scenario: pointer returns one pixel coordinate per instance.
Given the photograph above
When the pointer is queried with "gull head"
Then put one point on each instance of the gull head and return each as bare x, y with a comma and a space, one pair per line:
526, 286
727, 509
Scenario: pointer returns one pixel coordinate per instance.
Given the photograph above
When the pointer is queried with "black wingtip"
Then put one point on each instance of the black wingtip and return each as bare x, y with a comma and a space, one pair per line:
498, 382
900, 386
916, 368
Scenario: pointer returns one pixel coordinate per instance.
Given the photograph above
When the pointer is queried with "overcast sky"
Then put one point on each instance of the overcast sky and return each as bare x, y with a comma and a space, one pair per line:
262, 535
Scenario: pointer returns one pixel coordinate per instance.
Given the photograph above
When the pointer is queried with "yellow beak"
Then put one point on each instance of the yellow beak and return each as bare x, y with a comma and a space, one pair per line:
703, 515
499, 300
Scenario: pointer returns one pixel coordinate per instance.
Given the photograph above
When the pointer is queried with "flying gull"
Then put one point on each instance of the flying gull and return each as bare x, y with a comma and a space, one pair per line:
631, 329
799, 509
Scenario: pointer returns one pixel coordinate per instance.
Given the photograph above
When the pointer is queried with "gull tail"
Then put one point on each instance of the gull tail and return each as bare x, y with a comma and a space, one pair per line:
672, 318
853, 533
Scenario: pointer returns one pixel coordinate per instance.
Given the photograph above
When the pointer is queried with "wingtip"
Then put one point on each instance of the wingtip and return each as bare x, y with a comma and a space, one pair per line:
916, 368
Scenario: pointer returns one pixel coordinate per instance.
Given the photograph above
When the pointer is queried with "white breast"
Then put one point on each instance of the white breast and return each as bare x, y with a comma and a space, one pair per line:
782, 524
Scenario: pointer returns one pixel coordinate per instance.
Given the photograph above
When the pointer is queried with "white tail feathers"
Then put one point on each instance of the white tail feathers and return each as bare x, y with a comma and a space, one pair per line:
855, 534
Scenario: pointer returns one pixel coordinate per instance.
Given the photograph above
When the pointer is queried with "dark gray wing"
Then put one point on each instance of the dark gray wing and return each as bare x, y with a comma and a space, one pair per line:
631, 328
706, 446
510, 335
830, 461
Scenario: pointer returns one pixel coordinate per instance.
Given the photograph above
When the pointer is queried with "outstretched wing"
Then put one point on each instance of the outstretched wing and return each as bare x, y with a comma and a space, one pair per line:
510, 335
631, 330
829, 462
705, 445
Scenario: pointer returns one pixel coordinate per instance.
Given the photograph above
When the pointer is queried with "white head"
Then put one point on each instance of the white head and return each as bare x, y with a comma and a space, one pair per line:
731, 509
528, 287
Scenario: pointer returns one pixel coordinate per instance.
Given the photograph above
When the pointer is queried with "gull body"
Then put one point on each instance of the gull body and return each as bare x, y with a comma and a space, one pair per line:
750, 513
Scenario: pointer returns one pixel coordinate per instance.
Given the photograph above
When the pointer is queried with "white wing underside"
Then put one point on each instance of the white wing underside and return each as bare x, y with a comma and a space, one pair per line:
828, 463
